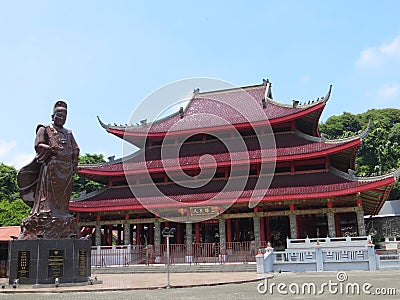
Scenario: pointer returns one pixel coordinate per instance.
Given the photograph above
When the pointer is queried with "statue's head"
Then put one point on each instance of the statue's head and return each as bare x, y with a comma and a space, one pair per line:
59, 115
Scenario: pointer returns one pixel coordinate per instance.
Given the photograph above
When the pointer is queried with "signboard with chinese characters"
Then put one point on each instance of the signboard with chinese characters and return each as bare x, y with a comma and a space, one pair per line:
204, 210
24, 260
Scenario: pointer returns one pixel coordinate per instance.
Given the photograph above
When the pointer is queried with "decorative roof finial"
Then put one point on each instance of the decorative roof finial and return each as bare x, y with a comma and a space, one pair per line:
295, 103
196, 91
265, 82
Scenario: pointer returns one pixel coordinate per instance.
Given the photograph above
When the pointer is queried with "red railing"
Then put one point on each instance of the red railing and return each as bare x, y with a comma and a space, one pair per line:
234, 252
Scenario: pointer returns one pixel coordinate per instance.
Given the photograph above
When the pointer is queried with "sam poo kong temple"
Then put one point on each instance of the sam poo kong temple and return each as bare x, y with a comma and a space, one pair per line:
257, 171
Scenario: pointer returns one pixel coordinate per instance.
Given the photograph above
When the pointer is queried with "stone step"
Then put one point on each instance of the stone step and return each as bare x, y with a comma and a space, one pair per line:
250, 267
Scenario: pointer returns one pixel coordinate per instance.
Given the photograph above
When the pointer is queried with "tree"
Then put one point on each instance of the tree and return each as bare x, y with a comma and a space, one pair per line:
81, 184
13, 212
8, 183
340, 126
380, 151
12, 209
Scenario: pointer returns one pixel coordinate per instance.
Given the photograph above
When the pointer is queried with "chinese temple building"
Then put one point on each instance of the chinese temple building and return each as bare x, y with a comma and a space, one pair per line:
305, 184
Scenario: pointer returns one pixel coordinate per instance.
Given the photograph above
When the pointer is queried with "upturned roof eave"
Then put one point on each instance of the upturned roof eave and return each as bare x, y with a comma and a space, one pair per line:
89, 169
246, 200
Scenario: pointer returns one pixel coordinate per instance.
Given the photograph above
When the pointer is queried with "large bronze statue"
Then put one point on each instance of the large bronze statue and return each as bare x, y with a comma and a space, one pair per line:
46, 183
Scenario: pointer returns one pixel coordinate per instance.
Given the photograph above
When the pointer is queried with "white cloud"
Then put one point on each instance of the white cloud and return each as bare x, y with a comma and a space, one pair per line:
6, 147
21, 159
304, 79
9, 157
389, 91
378, 55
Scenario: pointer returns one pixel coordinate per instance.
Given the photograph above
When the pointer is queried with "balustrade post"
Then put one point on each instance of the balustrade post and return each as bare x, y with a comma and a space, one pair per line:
319, 258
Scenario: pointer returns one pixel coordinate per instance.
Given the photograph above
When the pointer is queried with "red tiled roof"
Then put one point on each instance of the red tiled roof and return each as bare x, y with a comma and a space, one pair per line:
8, 231
283, 187
189, 154
236, 106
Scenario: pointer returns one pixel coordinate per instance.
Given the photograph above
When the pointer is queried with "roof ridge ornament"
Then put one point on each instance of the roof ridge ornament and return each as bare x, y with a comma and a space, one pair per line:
352, 175
84, 196
396, 174
328, 95
364, 134
324, 138
264, 103
104, 125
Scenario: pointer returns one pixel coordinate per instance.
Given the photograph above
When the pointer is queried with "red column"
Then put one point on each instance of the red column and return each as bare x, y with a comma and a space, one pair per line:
338, 227
151, 233
237, 230
179, 233
268, 228
138, 234
197, 227
109, 235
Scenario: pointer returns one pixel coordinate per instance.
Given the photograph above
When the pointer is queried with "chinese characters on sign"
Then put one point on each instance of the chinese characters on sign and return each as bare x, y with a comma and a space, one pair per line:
204, 210
24, 258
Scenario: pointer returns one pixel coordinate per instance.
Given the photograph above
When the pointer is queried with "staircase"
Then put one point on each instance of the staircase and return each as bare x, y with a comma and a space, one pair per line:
178, 268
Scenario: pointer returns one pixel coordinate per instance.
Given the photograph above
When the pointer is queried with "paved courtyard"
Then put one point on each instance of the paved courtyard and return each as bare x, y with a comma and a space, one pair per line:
324, 285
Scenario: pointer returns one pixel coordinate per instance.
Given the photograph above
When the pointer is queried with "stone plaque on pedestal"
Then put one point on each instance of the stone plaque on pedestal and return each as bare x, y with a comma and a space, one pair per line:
41, 261
24, 262
55, 263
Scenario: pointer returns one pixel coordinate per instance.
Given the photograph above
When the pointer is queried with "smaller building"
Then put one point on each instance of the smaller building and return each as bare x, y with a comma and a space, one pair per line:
385, 226
6, 234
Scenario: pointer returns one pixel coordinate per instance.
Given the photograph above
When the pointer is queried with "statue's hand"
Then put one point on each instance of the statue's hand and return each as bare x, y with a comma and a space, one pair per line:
55, 149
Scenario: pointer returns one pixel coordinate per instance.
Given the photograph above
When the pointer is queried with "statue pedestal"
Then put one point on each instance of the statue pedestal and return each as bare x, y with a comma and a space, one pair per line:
41, 261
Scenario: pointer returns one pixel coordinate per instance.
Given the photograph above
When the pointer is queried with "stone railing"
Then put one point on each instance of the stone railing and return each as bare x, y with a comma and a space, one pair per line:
327, 242
317, 259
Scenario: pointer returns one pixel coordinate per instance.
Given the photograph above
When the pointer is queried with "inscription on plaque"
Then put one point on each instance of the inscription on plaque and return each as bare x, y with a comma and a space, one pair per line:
24, 260
83, 262
204, 210
55, 263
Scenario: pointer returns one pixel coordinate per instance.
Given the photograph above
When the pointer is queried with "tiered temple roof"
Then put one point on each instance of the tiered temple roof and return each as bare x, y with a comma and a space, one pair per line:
244, 108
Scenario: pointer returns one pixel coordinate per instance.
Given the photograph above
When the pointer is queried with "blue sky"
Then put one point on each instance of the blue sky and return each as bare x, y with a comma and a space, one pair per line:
105, 57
